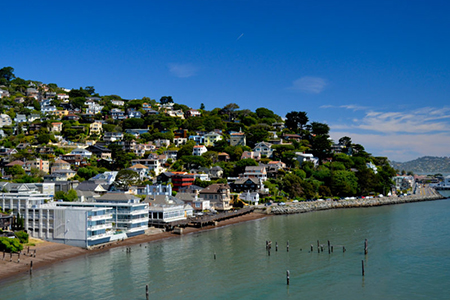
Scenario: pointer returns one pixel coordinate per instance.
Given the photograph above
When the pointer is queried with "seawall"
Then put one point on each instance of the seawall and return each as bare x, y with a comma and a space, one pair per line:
303, 207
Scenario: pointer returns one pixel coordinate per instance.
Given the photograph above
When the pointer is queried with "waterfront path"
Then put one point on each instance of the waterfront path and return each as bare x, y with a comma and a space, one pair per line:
424, 194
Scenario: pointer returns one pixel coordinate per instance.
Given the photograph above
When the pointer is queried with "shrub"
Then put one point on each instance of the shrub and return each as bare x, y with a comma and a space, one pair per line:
10, 245
23, 236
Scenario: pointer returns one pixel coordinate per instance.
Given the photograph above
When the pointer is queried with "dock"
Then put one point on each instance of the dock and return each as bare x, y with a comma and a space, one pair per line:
202, 220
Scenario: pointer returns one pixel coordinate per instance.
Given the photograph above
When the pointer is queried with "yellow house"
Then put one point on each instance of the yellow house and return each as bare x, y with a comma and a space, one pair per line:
96, 128
211, 138
61, 113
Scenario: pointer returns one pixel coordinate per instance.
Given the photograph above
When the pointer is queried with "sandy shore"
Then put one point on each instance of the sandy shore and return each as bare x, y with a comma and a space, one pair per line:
48, 253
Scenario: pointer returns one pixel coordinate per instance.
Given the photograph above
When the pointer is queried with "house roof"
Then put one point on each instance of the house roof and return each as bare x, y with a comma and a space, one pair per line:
138, 166
216, 168
16, 162
117, 197
245, 179
214, 188
254, 168
60, 161
93, 185
162, 200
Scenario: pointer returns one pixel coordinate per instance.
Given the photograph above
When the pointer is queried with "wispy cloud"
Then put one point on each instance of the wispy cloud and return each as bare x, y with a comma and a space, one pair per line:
400, 135
309, 84
419, 121
400, 147
182, 70
239, 37
353, 107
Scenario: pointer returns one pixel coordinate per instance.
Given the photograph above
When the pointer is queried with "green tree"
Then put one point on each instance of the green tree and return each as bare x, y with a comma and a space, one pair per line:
43, 138
257, 133
263, 112
296, 120
15, 171
166, 99
241, 164
7, 73
80, 93
90, 90
186, 149
344, 183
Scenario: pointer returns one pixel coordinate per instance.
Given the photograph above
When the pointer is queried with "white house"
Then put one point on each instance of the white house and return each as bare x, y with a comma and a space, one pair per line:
113, 136
82, 152
5, 120
142, 171
264, 148
199, 150
259, 172
305, 157
253, 197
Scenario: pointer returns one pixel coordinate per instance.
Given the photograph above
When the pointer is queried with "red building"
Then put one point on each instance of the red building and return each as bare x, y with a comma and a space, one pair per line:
182, 180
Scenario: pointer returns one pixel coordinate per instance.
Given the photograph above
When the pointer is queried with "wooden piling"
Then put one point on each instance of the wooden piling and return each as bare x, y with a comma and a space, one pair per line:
366, 247
214, 255
10, 256
312, 248
34, 253
362, 265
276, 246
343, 249
18, 257
287, 276
332, 248
321, 248
146, 291
287, 246
329, 247
31, 267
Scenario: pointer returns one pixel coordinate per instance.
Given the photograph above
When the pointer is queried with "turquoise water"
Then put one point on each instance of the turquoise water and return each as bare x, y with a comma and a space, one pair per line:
409, 258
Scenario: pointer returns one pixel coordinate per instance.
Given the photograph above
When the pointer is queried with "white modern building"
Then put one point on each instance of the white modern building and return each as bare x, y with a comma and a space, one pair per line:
72, 225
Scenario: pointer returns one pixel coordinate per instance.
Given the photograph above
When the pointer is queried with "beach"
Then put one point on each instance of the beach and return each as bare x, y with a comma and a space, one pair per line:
48, 253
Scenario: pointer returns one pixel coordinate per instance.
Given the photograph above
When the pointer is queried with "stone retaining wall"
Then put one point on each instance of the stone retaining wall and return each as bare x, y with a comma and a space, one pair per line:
303, 207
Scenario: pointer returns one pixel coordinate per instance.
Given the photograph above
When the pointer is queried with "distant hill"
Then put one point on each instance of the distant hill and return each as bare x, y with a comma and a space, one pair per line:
426, 164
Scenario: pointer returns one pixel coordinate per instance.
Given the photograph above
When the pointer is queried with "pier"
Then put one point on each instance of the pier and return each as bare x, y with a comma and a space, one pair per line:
202, 220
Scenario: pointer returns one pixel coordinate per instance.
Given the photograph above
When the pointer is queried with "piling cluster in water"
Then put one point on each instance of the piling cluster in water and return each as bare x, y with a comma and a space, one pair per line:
302, 207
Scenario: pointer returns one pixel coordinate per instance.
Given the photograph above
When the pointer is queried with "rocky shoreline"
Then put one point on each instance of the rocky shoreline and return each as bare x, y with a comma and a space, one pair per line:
303, 207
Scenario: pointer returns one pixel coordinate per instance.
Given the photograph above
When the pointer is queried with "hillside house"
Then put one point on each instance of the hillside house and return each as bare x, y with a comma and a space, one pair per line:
219, 196
199, 150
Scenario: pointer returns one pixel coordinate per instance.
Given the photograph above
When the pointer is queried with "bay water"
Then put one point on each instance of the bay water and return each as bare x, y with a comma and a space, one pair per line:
408, 258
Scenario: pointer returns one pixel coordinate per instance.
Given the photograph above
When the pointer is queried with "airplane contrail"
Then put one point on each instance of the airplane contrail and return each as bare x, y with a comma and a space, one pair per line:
239, 37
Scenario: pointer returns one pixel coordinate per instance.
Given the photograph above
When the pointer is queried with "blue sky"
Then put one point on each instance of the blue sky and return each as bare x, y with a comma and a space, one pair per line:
377, 71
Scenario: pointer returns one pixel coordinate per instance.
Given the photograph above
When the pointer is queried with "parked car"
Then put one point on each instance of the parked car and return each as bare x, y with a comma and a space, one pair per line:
281, 203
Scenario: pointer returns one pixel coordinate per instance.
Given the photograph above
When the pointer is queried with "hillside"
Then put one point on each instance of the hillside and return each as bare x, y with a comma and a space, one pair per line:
426, 164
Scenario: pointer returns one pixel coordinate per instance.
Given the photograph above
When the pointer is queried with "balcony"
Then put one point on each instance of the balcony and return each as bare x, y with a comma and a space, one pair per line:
98, 227
100, 217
